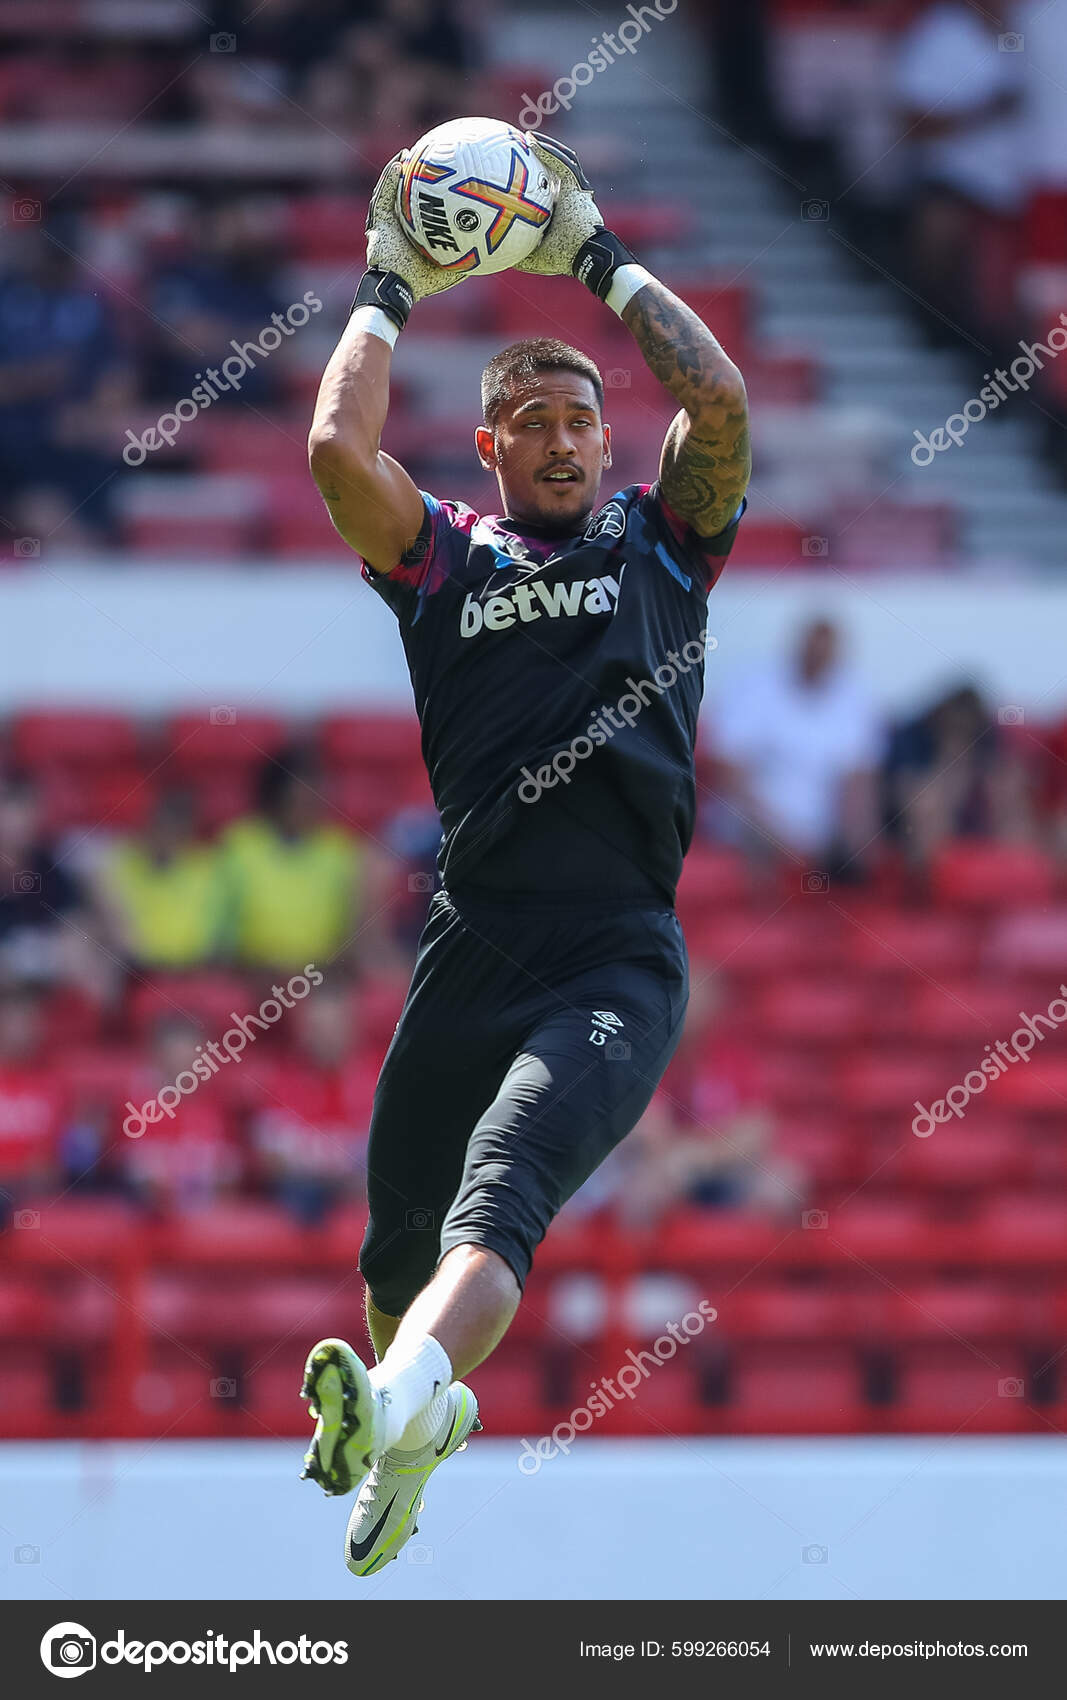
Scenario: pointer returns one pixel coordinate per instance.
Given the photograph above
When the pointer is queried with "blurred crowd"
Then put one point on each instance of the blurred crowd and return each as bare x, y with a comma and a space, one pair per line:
934, 130
115, 297
123, 956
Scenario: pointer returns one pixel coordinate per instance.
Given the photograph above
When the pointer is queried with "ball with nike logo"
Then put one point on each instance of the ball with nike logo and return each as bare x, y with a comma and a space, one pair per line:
473, 196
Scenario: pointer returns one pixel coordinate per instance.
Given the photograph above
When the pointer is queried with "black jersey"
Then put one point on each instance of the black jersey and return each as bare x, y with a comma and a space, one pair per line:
557, 684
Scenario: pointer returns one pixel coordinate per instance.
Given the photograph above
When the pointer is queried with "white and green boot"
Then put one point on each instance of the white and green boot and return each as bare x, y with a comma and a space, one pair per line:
384, 1516
349, 1422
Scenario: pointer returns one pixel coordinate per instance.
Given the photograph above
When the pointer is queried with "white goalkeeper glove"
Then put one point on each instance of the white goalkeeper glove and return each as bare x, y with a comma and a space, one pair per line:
575, 242
398, 274
575, 216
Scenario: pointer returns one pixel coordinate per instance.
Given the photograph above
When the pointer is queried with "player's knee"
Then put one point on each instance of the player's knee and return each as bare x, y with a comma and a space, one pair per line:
393, 1275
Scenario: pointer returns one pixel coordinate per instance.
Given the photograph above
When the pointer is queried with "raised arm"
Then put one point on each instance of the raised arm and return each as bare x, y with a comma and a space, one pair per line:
372, 501
706, 459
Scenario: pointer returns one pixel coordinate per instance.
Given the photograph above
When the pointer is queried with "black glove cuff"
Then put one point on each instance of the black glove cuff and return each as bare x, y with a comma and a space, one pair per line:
388, 291
598, 259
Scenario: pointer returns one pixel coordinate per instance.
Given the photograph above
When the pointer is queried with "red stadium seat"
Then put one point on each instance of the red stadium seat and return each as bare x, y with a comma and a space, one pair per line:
1021, 1228
327, 227
1039, 1086
232, 442
796, 1389
223, 738
208, 998
25, 1311
362, 742
821, 1012
897, 534
298, 524
990, 875
901, 943
967, 1311
961, 1157
82, 737
712, 878
26, 1383
785, 1313
888, 1083
775, 543
947, 1385
962, 1011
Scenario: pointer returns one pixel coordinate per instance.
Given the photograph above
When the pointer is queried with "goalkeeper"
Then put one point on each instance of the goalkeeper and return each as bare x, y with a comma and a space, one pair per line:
556, 656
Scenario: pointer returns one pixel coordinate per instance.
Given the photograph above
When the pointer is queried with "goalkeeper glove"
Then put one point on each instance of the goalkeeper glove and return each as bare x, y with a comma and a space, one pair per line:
398, 274
576, 241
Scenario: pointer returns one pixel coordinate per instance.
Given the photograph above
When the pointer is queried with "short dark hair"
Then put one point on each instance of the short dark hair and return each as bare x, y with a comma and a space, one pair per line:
525, 360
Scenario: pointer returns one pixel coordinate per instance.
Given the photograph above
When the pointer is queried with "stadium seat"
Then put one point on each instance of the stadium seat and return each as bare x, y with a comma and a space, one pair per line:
76, 737
1021, 1228
26, 1385
820, 1012
789, 1313
775, 544
912, 535
888, 1084
172, 1395
1039, 1086
209, 998
983, 875
223, 738
961, 1157
712, 877
949, 1385
962, 1011
327, 227
899, 943
297, 523
25, 1311
233, 441
796, 1389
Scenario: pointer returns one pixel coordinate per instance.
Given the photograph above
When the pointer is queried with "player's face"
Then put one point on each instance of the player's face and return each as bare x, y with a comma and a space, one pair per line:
548, 449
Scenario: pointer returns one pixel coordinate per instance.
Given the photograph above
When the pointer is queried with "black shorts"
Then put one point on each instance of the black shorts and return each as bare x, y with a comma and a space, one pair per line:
530, 1043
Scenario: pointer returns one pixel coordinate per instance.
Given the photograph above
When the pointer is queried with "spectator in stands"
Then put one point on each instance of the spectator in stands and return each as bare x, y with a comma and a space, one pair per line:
958, 87
190, 1157
949, 773
223, 291
395, 72
413, 837
33, 1107
65, 390
302, 888
799, 744
163, 896
707, 1139
311, 1112
39, 899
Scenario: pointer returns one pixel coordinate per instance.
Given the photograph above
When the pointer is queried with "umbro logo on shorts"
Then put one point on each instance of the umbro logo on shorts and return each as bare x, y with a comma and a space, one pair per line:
606, 1024
536, 600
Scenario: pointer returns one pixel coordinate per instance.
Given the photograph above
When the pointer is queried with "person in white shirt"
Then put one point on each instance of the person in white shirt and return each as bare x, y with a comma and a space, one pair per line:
958, 85
799, 744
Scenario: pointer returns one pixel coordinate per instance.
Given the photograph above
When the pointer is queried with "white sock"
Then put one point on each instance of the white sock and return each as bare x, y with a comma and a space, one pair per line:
422, 1427
408, 1380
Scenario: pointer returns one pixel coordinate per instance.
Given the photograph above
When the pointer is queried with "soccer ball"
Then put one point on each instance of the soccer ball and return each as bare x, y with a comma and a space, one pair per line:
473, 195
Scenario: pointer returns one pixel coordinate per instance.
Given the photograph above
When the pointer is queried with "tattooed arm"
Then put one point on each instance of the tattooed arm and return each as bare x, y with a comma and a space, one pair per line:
706, 459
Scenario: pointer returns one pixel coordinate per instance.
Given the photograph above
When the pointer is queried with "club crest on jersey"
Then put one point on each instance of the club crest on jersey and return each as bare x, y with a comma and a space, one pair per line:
536, 600
609, 522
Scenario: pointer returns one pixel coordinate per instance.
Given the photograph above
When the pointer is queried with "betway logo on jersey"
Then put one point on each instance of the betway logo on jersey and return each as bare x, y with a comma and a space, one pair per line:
536, 600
